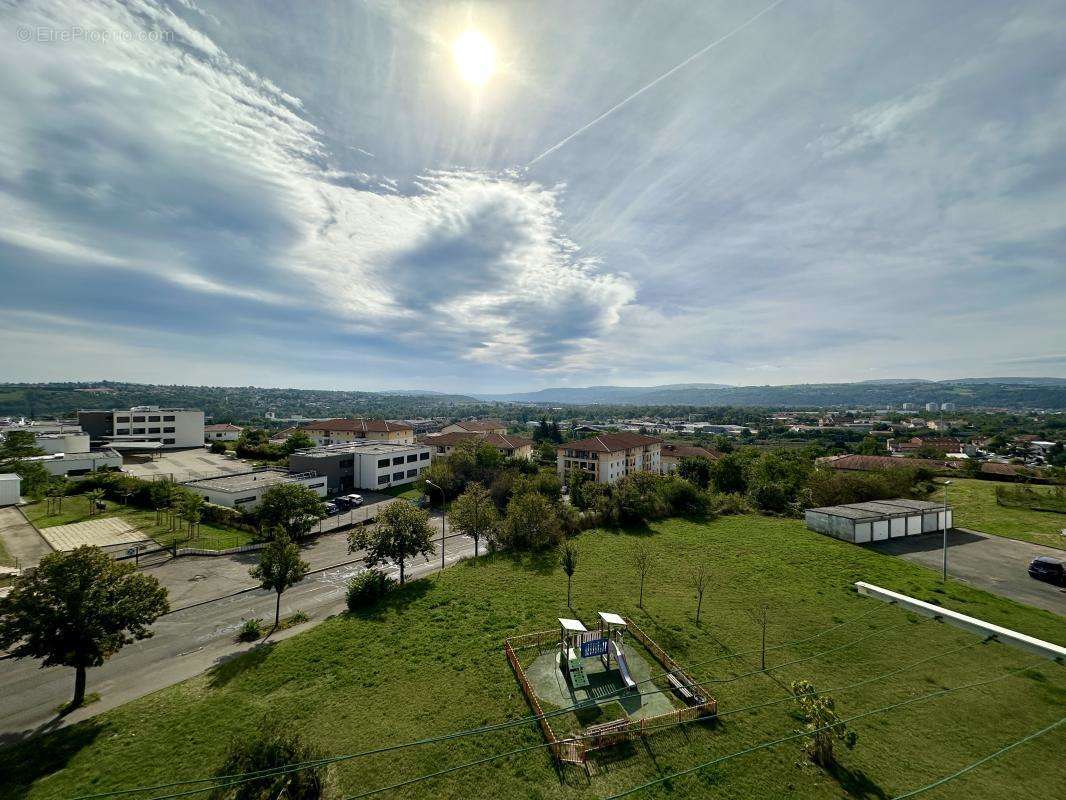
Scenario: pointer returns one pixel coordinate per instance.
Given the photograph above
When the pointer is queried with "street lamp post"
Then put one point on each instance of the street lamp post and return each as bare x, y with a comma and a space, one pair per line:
443, 518
946, 485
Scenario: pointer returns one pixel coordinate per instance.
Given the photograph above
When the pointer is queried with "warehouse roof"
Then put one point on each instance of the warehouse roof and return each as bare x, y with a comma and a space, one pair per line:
879, 509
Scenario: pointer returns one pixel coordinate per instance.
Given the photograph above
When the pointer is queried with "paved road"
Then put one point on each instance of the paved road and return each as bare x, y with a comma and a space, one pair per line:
993, 563
186, 643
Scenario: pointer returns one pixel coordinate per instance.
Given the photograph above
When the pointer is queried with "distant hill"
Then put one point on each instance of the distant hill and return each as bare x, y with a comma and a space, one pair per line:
1047, 393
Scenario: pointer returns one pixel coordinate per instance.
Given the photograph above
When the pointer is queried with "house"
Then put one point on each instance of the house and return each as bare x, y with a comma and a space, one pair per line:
283, 435
945, 444
671, 454
362, 464
609, 456
443, 444
479, 426
224, 432
341, 431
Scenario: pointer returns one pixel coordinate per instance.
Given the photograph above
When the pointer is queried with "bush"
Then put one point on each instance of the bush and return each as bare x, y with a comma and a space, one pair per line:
683, 497
769, 497
262, 754
250, 630
217, 448
367, 588
725, 505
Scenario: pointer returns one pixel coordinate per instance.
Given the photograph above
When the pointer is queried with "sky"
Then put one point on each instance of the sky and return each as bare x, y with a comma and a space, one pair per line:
336, 195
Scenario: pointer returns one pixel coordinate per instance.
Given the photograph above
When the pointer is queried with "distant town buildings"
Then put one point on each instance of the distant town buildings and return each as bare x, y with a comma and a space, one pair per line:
341, 431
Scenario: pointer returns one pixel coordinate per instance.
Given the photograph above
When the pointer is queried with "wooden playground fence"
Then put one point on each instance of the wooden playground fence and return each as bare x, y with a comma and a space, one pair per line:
569, 750
706, 702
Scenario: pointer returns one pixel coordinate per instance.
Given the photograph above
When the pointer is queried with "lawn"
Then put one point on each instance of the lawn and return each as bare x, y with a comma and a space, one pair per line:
76, 509
975, 507
407, 491
429, 661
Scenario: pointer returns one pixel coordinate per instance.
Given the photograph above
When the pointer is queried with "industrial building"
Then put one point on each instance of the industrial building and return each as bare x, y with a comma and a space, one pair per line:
244, 490
363, 465
10, 489
875, 521
144, 428
75, 465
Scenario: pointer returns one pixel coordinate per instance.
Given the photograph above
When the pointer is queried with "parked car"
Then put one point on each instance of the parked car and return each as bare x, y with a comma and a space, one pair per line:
331, 509
350, 501
1046, 568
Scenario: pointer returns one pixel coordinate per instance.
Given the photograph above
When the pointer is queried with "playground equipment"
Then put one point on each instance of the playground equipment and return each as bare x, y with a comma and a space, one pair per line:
577, 643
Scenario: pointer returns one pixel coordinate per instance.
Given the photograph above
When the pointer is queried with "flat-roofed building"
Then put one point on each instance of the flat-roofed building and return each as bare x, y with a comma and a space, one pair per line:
165, 428
671, 454
341, 431
363, 465
76, 465
878, 520
609, 456
244, 490
482, 426
443, 444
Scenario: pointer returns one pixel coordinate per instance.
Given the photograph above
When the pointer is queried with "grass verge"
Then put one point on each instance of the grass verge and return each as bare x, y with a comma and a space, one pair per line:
975, 507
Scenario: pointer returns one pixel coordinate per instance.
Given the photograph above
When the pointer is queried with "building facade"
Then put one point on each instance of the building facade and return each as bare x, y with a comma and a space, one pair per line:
363, 465
166, 428
481, 426
342, 431
609, 456
443, 444
76, 465
244, 490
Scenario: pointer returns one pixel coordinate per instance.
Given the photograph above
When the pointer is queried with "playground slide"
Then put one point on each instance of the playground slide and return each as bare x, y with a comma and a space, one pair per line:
623, 667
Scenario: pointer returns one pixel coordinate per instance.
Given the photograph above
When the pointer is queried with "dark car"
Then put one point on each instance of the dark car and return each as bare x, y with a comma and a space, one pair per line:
1046, 568
331, 509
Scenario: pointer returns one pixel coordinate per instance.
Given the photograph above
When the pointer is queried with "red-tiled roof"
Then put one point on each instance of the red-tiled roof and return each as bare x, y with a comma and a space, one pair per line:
357, 426
688, 451
502, 441
610, 442
223, 426
480, 425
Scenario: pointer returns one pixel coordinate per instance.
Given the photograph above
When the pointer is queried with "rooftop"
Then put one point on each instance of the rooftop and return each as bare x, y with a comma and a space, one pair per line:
879, 509
242, 481
370, 448
223, 426
610, 442
357, 425
502, 441
476, 425
688, 451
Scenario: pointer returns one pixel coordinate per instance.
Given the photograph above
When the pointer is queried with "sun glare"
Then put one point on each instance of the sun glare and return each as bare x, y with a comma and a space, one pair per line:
475, 57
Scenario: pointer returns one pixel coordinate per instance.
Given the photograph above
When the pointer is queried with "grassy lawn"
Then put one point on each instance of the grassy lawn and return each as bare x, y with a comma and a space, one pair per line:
429, 661
975, 507
407, 491
76, 509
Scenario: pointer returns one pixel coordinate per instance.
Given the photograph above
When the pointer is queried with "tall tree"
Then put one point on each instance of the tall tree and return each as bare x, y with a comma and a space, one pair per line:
19, 444
474, 513
568, 559
401, 532
77, 609
530, 523
822, 724
279, 567
642, 563
695, 469
299, 440
292, 507
699, 581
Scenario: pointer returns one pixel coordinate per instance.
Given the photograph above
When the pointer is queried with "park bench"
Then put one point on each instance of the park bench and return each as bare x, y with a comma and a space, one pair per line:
680, 688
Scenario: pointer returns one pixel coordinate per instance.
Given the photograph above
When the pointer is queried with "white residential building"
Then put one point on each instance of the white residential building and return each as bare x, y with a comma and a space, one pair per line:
609, 456
224, 432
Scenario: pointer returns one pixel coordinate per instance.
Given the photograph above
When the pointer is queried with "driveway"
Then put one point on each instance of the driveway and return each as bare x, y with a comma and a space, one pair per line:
993, 563
21, 539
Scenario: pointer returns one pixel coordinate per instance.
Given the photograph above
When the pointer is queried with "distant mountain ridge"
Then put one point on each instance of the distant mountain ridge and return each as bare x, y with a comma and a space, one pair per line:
980, 392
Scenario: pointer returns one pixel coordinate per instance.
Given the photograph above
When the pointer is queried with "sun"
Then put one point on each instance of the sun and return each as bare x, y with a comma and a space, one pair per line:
475, 57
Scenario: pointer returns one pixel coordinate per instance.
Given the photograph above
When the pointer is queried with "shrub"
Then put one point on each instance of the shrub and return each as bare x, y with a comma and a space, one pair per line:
728, 504
684, 497
262, 754
250, 630
367, 588
217, 448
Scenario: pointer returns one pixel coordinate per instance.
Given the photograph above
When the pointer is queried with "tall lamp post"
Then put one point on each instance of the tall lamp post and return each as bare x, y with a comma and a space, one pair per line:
946, 485
443, 518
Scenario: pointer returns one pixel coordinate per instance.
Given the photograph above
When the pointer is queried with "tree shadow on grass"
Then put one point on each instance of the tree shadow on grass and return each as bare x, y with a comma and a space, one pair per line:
856, 783
397, 599
543, 562
234, 665
25, 760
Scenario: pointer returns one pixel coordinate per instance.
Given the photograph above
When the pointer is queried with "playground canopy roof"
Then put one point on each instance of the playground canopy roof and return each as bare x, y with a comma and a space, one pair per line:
572, 625
611, 619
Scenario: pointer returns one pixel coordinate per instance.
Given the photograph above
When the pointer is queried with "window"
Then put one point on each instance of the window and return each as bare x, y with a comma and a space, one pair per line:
412, 458
153, 430
241, 500
383, 462
138, 419
168, 418
122, 431
397, 460
412, 473
153, 419
122, 419
315, 485
138, 430
397, 476
424, 456
383, 479
171, 430
168, 441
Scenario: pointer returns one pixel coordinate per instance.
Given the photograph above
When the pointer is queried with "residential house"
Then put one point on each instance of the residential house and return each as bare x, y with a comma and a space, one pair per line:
342, 431
671, 454
609, 456
224, 432
443, 444
478, 426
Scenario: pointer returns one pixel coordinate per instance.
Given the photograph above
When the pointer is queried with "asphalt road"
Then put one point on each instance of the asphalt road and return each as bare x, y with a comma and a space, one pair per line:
186, 643
993, 563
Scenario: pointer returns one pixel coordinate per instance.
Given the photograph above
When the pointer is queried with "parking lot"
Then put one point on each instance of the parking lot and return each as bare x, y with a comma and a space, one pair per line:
993, 563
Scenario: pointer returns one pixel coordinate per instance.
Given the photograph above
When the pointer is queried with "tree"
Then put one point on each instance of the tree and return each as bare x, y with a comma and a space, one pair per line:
292, 507
57, 490
217, 448
728, 474
77, 609
695, 469
263, 754
94, 497
530, 522
279, 568
192, 506
402, 531
822, 724
19, 444
870, 446
299, 440
474, 513
642, 563
568, 560
35, 478
699, 581
761, 616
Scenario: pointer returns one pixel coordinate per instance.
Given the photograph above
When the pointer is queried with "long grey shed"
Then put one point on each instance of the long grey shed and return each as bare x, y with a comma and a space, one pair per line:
862, 523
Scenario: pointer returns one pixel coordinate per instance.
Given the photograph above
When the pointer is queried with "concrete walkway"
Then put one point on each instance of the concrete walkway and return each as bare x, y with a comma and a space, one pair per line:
21, 539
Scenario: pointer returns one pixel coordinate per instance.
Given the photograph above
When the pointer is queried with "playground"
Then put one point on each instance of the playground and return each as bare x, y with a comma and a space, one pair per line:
596, 687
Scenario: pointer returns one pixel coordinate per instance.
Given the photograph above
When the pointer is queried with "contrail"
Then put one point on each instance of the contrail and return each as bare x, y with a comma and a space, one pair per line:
662, 77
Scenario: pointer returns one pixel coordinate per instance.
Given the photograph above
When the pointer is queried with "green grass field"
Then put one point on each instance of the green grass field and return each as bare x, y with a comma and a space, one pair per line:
76, 509
975, 507
407, 491
429, 661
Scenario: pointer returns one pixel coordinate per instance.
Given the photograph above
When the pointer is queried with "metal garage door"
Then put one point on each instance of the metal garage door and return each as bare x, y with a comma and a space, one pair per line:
862, 532
898, 526
929, 522
914, 525
880, 530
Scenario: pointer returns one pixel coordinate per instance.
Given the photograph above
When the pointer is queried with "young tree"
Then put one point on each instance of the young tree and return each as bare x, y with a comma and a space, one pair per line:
568, 559
192, 507
94, 497
699, 581
402, 531
642, 563
761, 616
57, 490
822, 724
77, 609
292, 507
279, 568
474, 513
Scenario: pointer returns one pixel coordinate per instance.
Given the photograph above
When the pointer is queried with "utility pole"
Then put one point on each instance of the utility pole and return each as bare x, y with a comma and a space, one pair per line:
444, 518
